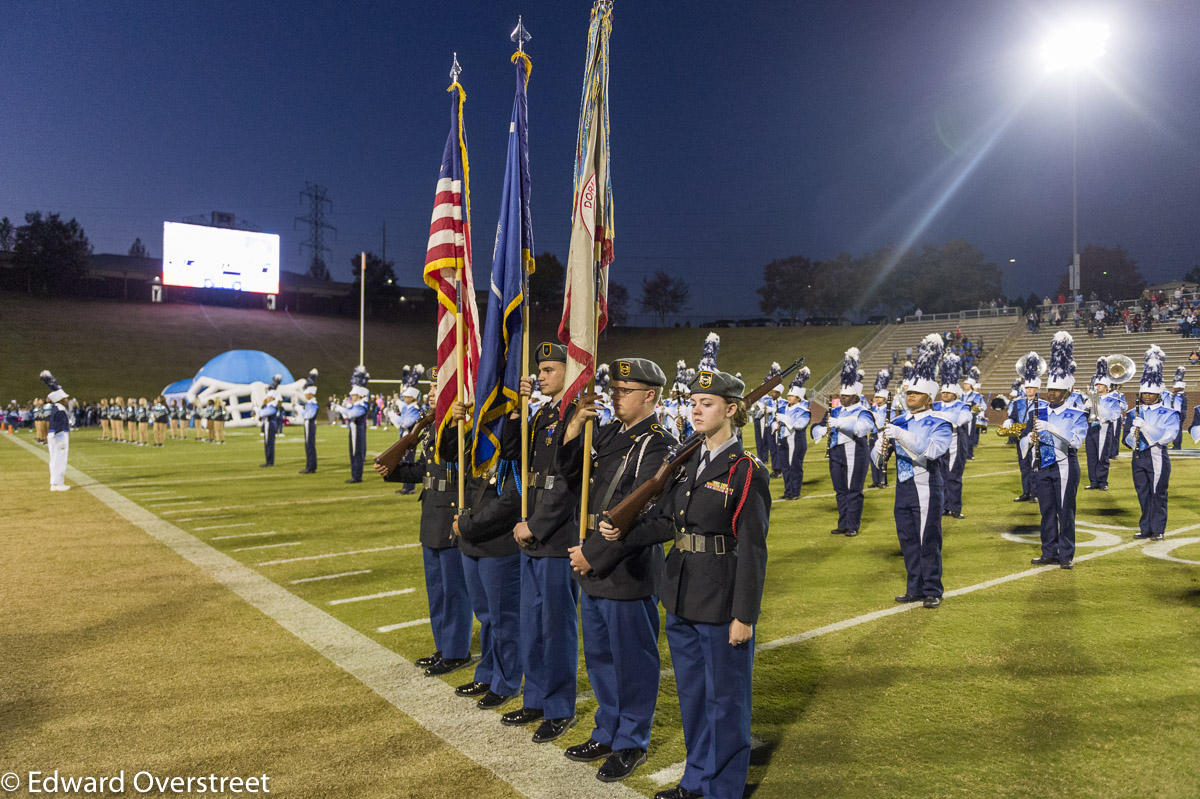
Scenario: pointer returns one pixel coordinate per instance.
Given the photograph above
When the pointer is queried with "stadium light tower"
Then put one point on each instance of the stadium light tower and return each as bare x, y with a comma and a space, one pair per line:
1074, 47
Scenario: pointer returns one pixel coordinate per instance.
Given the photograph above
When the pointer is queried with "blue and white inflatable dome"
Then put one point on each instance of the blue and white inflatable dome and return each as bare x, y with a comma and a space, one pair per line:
245, 366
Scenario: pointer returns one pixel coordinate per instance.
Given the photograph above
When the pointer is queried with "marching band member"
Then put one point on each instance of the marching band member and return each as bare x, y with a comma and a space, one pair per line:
951, 408
976, 402
549, 595
266, 416
880, 400
308, 416
717, 512
790, 430
1152, 428
1030, 371
1058, 432
410, 411
848, 427
356, 422
763, 416
620, 581
920, 438
58, 432
1107, 412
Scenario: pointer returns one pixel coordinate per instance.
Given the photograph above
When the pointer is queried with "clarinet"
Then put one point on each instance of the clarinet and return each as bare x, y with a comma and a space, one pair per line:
1031, 417
828, 433
1137, 433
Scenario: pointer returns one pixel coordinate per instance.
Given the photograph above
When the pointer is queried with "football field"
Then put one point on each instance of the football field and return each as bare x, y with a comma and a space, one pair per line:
185, 612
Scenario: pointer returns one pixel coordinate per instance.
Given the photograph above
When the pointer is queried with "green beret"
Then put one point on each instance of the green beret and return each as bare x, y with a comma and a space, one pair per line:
722, 384
549, 351
638, 370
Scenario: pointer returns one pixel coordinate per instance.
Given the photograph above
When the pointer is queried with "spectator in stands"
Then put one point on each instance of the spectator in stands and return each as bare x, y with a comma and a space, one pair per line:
1045, 305
1061, 299
1056, 317
1077, 317
917, 313
1194, 358
1091, 326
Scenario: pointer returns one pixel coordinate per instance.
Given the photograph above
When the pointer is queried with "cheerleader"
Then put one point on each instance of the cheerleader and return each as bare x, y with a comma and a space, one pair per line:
142, 413
172, 419
222, 416
160, 414
197, 416
118, 418
717, 512
104, 423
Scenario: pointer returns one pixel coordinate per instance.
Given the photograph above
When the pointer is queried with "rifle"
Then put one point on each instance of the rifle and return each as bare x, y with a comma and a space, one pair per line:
627, 510
392, 456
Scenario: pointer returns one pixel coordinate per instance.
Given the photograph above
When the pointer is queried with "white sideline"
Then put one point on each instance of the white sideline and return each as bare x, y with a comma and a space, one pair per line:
294, 502
364, 598
328, 576
537, 772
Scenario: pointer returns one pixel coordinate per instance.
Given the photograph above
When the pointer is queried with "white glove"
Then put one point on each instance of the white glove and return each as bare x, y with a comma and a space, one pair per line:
1138, 424
893, 432
1007, 424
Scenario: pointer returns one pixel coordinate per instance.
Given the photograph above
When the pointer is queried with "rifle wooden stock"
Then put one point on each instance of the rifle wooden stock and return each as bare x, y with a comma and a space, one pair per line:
392, 456
625, 514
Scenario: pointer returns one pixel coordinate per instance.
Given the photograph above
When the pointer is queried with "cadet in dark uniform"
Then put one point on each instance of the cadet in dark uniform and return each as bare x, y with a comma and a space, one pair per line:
717, 513
491, 560
445, 585
549, 595
620, 582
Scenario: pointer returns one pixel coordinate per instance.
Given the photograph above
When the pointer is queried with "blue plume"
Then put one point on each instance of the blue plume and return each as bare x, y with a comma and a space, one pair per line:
603, 377
311, 380
708, 355
882, 379
774, 371
1101, 368
907, 371
951, 369
1033, 367
1180, 374
49, 380
974, 372
929, 352
1061, 350
801, 378
850, 367
360, 376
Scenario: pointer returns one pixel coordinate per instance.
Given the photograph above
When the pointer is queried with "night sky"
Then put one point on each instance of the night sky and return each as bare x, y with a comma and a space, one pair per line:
741, 132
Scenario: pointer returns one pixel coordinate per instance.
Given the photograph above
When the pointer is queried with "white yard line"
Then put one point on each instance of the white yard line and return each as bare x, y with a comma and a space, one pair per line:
242, 535
268, 546
206, 518
222, 526
537, 772
364, 598
328, 576
297, 502
172, 504
387, 628
337, 554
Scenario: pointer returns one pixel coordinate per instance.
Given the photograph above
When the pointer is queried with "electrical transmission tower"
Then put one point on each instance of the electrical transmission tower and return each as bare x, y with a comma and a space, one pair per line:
316, 228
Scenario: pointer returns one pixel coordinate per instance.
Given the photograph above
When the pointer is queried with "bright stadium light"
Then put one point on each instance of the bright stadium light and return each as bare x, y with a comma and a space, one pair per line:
1075, 45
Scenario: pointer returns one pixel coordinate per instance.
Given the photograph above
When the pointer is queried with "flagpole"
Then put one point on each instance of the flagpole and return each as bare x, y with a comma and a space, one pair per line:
587, 428
362, 303
460, 365
520, 36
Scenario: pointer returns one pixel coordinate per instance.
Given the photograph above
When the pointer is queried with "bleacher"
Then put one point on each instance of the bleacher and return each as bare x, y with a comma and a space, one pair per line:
877, 353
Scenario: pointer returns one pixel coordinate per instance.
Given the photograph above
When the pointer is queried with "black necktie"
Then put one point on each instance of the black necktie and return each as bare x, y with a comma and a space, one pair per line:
699, 469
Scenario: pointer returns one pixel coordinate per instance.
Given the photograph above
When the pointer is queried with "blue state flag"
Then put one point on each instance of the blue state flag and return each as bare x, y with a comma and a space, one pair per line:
500, 356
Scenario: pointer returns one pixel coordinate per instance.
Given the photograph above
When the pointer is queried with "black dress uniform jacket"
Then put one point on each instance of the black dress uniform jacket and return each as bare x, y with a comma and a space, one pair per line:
710, 587
553, 506
493, 508
620, 570
439, 495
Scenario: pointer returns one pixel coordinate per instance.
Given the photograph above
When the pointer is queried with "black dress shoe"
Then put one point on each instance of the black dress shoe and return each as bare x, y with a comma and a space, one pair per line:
525, 715
587, 752
1022, 498
492, 700
265, 465
1043, 561
472, 689
308, 471
1156, 537
447, 665
838, 531
1142, 535
955, 514
678, 792
850, 533
1090, 488
554, 728
428, 660
909, 598
352, 480
1067, 564
620, 764
932, 601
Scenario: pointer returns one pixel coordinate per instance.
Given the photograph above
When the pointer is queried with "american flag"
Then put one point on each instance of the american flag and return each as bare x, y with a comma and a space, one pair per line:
448, 269
592, 224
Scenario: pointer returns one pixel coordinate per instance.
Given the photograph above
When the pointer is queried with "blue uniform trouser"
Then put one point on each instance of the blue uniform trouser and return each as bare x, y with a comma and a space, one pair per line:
620, 648
952, 493
973, 438
919, 528
494, 587
1026, 470
310, 444
848, 469
714, 684
1056, 486
449, 606
1098, 453
549, 635
268, 441
1120, 427
878, 475
794, 447
760, 440
358, 446
1151, 476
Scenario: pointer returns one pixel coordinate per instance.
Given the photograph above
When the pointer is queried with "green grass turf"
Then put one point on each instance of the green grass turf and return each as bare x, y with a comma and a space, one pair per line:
104, 349
1061, 684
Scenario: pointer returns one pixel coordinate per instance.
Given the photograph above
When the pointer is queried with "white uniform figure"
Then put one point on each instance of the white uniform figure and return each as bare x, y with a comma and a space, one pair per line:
58, 437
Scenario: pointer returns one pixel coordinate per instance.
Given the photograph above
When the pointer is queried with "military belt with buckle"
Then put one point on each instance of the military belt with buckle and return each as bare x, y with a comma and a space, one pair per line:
694, 542
438, 484
542, 482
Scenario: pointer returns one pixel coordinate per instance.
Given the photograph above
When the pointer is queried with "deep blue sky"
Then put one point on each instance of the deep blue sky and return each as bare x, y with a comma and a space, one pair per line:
742, 132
